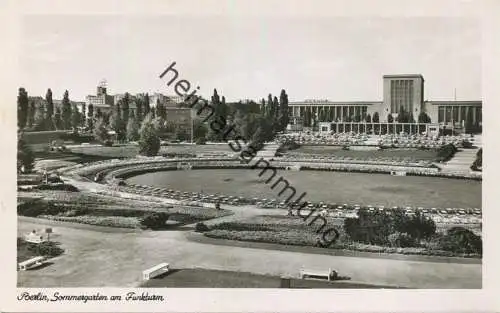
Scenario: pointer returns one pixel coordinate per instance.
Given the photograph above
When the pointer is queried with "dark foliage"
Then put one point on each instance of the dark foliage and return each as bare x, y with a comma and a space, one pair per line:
155, 220
201, 227
461, 240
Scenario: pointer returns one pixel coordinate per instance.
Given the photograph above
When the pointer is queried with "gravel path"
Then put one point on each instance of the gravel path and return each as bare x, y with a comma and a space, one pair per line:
95, 258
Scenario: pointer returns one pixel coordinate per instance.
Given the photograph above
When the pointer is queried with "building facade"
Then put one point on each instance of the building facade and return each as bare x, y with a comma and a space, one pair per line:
101, 100
402, 93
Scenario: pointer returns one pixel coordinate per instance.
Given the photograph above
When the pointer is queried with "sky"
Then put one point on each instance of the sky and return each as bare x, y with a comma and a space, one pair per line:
334, 58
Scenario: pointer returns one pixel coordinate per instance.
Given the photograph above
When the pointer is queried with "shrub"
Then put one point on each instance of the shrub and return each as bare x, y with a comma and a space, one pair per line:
416, 226
64, 187
25, 156
154, 220
369, 227
32, 208
240, 227
401, 240
47, 248
201, 227
446, 152
461, 240
149, 142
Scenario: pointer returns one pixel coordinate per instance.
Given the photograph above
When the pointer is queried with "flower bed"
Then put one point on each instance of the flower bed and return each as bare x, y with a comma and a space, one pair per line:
109, 221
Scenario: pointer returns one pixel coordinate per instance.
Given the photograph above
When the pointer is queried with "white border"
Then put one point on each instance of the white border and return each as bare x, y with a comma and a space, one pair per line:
261, 300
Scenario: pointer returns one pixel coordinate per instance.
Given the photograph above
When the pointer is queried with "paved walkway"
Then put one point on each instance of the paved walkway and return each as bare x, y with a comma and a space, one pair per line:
115, 259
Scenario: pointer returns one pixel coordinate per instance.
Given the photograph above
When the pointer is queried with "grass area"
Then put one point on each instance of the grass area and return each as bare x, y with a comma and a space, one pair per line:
128, 151
206, 278
85, 208
288, 230
329, 187
386, 154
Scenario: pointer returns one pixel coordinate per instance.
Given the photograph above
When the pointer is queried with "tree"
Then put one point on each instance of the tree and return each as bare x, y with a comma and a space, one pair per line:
39, 121
25, 157
83, 115
368, 118
283, 116
199, 130
138, 108
132, 130
147, 107
66, 111
22, 108
100, 131
376, 118
402, 115
50, 110
125, 108
58, 123
161, 110
220, 114
116, 123
270, 106
149, 142
390, 119
75, 118
275, 109
31, 114
423, 118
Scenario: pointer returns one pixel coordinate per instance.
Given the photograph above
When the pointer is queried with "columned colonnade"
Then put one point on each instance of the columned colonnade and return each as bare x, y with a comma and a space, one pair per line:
329, 113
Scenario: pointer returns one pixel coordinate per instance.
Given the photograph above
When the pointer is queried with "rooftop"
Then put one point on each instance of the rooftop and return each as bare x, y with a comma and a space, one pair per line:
404, 76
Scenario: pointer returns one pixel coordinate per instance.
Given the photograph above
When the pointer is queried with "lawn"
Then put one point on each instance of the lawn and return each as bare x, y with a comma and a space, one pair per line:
330, 187
206, 278
129, 151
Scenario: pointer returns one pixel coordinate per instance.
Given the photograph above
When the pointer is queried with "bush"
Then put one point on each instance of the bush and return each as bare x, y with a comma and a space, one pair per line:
461, 240
241, 227
446, 152
369, 227
155, 220
64, 187
47, 248
416, 226
401, 240
149, 142
201, 227
32, 208
25, 156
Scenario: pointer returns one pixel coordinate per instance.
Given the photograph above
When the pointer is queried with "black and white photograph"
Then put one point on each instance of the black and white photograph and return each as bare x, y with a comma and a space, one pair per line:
260, 151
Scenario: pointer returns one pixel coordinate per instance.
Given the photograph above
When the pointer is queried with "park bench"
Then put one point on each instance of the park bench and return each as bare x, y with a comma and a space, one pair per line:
307, 273
31, 263
155, 271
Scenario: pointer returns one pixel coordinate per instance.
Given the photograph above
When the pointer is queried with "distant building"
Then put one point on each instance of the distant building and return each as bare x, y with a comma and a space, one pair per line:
404, 92
101, 100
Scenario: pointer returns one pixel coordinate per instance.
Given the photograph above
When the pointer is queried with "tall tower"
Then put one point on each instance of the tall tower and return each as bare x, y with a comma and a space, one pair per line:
102, 87
405, 92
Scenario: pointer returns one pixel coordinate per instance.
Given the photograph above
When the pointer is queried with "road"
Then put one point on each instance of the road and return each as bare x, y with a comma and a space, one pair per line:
98, 257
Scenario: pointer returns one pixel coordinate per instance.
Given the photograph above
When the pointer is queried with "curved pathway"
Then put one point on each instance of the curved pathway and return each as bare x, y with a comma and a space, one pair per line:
116, 259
